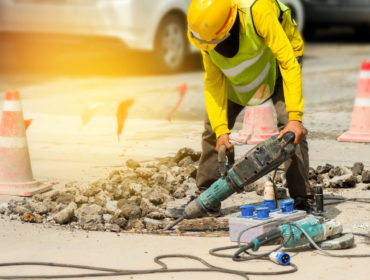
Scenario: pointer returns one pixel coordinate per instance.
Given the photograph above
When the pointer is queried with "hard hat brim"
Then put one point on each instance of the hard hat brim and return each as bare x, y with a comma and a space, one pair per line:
223, 31
199, 45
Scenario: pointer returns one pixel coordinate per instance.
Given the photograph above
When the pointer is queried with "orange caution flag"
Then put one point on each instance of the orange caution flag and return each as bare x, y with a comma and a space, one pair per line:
182, 90
121, 115
90, 111
27, 123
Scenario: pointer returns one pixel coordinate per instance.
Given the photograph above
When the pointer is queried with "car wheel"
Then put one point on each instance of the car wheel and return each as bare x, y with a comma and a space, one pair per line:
297, 12
171, 45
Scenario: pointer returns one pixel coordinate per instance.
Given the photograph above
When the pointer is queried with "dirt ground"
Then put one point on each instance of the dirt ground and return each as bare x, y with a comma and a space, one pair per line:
63, 150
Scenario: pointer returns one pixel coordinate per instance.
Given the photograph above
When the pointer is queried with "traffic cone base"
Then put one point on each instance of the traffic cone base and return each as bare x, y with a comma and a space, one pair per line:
240, 137
350, 136
23, 188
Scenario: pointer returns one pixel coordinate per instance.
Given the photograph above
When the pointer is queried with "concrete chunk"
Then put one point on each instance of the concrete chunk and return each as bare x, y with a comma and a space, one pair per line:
66, 215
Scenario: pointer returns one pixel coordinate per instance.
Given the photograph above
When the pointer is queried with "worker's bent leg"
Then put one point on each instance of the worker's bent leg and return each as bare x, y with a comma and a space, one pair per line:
297, 167
208, 165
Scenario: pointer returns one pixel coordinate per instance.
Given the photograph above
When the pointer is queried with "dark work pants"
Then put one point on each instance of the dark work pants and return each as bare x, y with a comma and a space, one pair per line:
296, 168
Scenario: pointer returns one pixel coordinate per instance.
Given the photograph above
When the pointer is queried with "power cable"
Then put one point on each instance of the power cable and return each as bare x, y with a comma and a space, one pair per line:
118, 272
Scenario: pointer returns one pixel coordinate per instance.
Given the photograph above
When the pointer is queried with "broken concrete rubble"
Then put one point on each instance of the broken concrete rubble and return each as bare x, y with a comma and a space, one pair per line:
129, 208
89, 213
31, 218
357, 168
132, 163
136, 196
366, 176
66, 215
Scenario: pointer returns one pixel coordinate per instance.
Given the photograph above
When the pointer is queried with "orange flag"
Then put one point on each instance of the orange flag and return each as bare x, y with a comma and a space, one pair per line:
90, 111
121, 115
182, 90
27, 123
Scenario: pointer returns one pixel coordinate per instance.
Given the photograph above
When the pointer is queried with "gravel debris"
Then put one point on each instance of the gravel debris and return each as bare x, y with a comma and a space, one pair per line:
135, 197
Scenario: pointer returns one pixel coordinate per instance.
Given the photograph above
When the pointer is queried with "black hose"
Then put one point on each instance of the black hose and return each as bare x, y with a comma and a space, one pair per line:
118, 272
343, 199
213, 251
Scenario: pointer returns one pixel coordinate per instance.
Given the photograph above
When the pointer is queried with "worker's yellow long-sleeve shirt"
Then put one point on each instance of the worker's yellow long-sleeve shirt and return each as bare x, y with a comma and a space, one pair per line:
285, 43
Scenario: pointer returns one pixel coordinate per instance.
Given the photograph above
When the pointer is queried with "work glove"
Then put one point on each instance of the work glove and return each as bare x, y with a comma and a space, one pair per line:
297, 128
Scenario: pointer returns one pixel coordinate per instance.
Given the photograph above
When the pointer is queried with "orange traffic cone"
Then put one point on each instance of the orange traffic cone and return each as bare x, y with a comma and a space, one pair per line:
258, 125
360, 124
15, 166
243, 135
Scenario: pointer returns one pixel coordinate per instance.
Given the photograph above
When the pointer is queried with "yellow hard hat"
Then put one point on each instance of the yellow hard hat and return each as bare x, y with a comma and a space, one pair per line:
209, 22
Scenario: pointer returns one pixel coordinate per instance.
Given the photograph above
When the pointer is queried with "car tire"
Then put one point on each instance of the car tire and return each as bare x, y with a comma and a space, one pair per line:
297, 12
171, 45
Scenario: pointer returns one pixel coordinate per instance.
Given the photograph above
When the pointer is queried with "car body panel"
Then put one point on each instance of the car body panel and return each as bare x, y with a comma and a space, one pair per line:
337, 11
134, 22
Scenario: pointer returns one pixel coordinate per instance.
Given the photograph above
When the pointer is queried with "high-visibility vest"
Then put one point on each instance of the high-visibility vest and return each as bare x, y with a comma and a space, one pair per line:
251, 73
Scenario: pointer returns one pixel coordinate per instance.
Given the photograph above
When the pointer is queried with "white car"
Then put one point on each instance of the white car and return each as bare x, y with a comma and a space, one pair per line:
158, 26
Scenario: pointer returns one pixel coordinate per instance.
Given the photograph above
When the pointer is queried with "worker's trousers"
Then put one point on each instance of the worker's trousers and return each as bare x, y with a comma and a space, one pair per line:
296, 168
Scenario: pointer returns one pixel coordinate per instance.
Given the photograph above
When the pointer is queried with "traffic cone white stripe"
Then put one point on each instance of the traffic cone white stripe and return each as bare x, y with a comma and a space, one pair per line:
268, 103
13, 142
12, 106
362, 102
365, 75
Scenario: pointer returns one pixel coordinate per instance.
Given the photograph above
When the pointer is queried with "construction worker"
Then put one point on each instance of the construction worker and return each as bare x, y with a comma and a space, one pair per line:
252, 52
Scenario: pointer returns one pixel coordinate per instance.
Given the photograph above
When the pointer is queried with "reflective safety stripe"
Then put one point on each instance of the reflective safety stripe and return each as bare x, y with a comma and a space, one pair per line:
13, 142
232, 72
253, 85
365, 74
362, 102
12, 106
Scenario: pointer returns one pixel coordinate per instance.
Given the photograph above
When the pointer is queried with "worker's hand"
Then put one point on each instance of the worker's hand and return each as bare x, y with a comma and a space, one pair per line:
297, 128
224, 140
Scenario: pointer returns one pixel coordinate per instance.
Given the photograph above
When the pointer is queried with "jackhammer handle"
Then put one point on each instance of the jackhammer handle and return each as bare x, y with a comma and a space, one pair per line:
225, 160
222, 154
221, 157
288, 137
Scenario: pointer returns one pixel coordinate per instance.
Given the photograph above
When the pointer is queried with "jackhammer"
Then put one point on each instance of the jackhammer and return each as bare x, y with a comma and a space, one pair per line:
256, 163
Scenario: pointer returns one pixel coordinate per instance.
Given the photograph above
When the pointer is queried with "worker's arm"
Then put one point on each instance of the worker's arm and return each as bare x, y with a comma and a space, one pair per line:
215, 96
265, 17
216, 101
